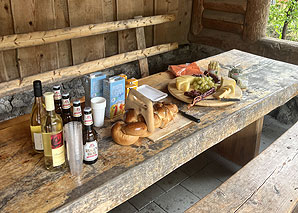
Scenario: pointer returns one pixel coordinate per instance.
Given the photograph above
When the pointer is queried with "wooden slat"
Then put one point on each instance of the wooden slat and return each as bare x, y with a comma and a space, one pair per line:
8, 64
54, 76
129, 9
29, 16
177, 30
222, 25
62, 21
86, 12
266, 184
141, 44
196, 17
111, 39
232, 6
224, 16
50, 36
217, 38
149, 11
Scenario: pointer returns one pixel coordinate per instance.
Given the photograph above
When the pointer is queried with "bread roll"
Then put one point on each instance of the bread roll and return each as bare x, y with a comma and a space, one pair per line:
130, 116
121, 138
135, 129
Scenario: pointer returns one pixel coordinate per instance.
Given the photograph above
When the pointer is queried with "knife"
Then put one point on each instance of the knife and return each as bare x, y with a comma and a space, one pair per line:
190, 117
224, 99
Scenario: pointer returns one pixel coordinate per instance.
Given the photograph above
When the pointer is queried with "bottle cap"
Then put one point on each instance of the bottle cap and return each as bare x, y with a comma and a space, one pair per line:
49, 101
65, 95
87, 109
76, 103
56, 87
37, 88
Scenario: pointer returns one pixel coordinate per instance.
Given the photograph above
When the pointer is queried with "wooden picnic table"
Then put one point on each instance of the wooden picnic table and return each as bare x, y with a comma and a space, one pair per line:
123, 171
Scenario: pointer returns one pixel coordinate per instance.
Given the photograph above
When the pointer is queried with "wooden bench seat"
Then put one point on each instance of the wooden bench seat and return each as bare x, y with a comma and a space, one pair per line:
269, 183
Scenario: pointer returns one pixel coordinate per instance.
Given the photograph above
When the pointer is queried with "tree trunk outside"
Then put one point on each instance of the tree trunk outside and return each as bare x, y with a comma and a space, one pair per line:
286, 23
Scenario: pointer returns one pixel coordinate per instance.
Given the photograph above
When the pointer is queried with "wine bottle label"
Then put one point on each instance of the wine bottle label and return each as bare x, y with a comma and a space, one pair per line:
88, 119
37, 137
77, 112
58, 155
38, 141
90, 151
57, 95
65, 103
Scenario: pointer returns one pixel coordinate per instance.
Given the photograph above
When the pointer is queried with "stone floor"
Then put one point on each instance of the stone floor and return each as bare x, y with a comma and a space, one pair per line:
191, 182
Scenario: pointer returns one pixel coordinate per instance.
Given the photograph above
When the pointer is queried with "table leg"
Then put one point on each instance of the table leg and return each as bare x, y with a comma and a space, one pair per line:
244, 145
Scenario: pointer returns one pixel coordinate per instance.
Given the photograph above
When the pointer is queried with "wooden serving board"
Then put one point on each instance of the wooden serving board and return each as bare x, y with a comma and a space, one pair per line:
207, 103
177, 123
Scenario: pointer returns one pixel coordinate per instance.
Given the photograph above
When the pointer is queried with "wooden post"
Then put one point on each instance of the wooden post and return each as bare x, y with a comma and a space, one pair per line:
197, 15
141, 44
244, 145
256, 18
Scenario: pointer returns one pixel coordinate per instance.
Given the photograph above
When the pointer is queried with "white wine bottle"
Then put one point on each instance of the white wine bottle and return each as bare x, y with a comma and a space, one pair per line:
38, 112
52, 128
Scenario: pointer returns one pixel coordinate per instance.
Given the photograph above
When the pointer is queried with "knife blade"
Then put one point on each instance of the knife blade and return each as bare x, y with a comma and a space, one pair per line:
224, 99
190, 117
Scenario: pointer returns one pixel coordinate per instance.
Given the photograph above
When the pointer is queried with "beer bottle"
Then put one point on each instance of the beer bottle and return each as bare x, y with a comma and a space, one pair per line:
77, 111
57, 99
89, 139
66, 114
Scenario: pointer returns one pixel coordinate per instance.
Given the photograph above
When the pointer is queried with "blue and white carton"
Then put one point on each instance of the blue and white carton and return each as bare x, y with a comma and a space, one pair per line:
114, 93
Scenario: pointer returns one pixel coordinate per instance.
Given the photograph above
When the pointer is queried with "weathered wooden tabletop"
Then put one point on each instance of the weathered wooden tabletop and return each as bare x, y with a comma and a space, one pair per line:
121, 172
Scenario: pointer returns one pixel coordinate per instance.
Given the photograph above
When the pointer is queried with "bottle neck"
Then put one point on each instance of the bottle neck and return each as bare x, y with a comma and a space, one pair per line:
57, 95
38, 100
88, 121
51, 113
77, 112
66, 105
88, 127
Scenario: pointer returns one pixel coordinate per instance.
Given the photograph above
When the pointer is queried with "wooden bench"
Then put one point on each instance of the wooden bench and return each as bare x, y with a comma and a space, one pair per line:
269, 183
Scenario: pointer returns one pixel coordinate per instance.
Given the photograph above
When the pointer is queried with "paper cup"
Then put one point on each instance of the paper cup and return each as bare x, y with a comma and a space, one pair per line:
98, 105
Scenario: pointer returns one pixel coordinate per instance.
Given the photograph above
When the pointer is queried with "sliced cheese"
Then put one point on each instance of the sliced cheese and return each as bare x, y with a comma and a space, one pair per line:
183, 82
222, 93
225, 81
185, 86
232, 88
189, 78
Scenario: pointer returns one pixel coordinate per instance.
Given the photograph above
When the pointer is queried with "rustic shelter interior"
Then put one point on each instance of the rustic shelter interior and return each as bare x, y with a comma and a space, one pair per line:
60, 41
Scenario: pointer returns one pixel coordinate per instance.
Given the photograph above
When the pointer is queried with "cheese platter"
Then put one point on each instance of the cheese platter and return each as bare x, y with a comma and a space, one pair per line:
229, 90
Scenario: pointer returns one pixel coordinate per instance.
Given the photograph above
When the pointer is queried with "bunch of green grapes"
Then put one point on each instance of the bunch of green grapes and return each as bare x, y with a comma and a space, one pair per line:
203, 84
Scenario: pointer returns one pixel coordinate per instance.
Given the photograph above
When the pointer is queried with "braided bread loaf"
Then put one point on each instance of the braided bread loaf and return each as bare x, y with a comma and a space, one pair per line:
134, 126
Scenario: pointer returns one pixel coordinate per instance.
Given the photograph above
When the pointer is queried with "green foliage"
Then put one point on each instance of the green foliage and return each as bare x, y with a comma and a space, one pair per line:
279, 14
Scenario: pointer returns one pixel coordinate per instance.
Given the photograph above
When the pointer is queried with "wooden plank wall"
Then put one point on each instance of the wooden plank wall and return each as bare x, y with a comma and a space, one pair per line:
22, 16
216, 21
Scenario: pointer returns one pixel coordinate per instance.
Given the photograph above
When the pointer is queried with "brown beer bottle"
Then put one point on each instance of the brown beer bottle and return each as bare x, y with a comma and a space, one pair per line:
77, 111
57, 99
66, 114
90, 148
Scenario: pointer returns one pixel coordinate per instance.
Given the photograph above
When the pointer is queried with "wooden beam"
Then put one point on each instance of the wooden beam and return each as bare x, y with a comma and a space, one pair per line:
8, 59
244, 145
141, 44
256, 18
7, 88
50, 36
224, 16
223, 26
232, 6
196, 17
